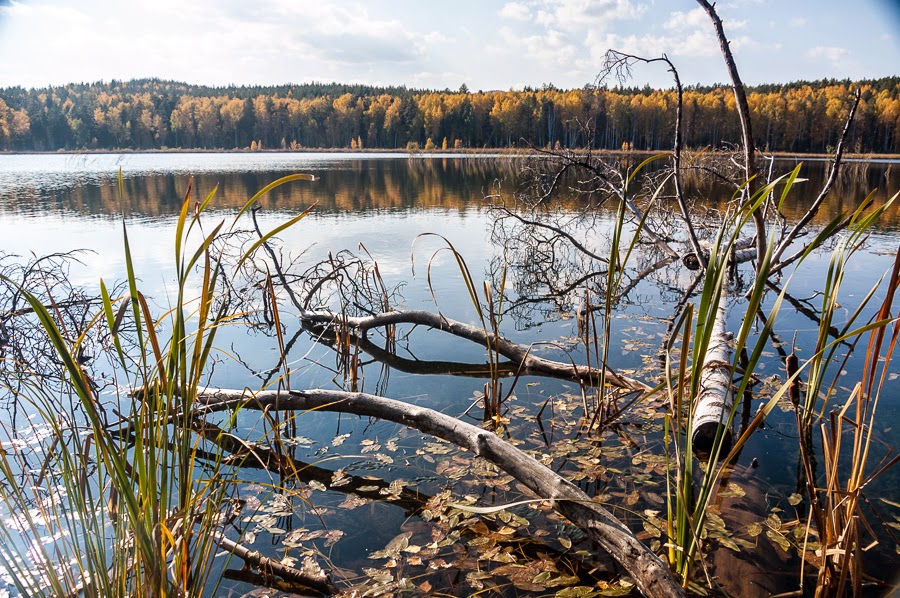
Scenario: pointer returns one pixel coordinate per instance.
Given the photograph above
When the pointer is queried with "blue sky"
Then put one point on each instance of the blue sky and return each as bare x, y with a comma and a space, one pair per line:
482, 43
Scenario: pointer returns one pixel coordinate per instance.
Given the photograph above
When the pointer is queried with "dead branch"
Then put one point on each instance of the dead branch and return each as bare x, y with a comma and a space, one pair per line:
322, 585
651, 575
832, 176
528, 363
715, 397
615, 59
743, 108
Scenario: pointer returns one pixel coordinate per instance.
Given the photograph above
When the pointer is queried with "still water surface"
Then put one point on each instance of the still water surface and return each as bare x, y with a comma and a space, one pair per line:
57, 203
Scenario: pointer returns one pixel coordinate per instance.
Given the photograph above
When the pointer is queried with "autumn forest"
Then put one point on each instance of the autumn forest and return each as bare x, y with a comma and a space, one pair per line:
154, 114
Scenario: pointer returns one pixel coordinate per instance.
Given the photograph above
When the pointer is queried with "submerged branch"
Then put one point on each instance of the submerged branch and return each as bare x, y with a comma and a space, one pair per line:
527, 362
651, 575
322, 585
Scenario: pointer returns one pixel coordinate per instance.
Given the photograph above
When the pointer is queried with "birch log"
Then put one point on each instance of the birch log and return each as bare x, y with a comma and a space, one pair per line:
715, 398
650, 574
742, 251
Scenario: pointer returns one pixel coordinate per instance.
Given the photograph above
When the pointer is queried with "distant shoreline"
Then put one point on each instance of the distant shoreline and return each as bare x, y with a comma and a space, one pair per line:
487, 152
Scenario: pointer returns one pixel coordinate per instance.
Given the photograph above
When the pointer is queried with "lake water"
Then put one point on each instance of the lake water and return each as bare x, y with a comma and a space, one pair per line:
384, 202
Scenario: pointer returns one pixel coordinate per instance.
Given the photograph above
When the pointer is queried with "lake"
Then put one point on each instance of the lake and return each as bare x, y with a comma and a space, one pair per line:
378, 206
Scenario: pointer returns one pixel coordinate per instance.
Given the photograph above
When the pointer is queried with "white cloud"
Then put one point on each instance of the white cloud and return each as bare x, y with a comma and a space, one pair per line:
544, 18
692, 19
580, 15
436, 37
346, 33
550, 49
830, 53
515, 11
798, 22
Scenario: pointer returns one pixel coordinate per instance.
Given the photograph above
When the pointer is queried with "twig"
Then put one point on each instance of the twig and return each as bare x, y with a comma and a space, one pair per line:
323, 585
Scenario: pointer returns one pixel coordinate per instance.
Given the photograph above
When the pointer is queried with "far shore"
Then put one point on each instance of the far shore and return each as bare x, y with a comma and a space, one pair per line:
510, 151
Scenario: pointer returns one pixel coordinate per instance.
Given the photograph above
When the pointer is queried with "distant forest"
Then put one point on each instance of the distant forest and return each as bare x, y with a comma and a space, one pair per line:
154, 114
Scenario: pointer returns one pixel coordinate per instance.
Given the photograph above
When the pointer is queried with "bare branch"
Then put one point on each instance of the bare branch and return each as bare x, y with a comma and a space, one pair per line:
832, 176
621, 62
743, 109
527, 362
322, 585
651, 575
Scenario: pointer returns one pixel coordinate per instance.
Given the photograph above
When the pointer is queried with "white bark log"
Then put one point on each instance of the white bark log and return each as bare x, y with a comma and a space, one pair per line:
742, 251
715, 398
650, 574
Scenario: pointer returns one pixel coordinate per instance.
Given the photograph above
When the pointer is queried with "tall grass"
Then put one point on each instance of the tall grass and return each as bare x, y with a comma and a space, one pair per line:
694, 480
125, 500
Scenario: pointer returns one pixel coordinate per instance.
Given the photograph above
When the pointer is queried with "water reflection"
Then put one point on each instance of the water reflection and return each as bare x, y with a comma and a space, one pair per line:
384, 203
348, 185
154, 184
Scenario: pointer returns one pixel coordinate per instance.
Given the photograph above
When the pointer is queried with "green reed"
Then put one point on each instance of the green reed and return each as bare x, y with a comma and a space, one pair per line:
126, 502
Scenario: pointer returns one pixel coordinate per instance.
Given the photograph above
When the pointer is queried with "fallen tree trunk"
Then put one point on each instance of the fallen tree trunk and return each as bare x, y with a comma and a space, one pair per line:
741, 252
650, 574
528, 363
715, 398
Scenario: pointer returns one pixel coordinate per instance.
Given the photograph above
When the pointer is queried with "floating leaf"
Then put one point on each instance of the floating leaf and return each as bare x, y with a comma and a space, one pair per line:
623, 588
714, 521
394, 547
754, 529
474, 579
339, 440
353, 501
298, 536
779, 539
652, 529
795, 499
339, 478
575, 592
733, 491
729, 543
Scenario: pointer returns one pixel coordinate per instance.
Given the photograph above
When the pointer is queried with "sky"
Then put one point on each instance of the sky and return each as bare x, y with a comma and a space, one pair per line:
485, 44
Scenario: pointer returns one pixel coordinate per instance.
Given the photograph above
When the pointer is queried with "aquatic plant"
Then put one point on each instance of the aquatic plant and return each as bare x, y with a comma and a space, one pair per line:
126, 501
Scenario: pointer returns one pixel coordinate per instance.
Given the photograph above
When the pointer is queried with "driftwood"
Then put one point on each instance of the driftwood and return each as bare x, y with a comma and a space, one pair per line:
650, 574
742, 251
322, 585
528, 363
715, 399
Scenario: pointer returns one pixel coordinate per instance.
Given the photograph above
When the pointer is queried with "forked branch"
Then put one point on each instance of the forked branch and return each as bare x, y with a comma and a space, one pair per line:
650, 574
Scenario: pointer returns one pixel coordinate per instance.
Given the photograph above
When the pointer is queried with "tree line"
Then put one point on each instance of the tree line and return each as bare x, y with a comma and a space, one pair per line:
155, 114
